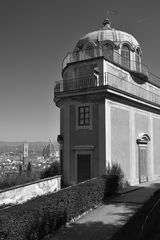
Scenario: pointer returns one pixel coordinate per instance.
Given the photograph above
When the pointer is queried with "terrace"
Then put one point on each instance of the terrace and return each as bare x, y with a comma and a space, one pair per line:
135, 67
109, 80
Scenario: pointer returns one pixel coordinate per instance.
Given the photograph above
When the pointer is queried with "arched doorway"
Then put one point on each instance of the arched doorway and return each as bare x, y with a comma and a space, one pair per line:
108, 51
125, 56
142, 142
89, 52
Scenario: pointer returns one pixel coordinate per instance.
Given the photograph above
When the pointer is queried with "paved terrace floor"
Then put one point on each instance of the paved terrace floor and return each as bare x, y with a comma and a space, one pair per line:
102, 222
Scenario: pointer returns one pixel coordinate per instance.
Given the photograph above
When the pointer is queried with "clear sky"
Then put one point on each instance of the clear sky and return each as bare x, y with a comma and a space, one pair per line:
35, 36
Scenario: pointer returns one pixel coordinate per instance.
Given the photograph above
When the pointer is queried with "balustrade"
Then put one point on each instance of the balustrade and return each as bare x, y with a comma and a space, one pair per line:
107, 80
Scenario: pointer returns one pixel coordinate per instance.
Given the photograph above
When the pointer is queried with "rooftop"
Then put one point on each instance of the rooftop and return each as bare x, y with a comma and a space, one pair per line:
107, 33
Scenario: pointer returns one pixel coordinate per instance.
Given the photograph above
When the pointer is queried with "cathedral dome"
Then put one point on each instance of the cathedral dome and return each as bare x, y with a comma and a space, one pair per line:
49, 150
107, 34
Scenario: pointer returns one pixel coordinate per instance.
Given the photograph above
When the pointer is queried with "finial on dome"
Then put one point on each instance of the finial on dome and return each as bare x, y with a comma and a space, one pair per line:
107, 23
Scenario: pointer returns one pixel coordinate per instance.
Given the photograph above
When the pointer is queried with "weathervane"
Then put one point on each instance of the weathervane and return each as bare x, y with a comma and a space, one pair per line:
107, 22
111, 12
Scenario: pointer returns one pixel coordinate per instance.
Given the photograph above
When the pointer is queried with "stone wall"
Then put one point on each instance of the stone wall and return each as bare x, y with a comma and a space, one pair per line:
22, 193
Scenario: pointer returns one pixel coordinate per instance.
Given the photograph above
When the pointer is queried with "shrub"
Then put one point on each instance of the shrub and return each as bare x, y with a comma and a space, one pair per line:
40, 216
112, 184
115, 169
51, 171
17, 179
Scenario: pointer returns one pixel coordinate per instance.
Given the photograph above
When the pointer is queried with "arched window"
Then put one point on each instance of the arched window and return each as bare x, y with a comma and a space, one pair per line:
125, 56
89, 52
75, 55
137, 59
108, 51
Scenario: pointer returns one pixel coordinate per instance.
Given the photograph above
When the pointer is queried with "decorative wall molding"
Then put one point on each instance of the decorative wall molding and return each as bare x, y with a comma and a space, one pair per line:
83, 148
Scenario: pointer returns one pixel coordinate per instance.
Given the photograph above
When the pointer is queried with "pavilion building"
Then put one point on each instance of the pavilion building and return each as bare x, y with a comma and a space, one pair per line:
109, 109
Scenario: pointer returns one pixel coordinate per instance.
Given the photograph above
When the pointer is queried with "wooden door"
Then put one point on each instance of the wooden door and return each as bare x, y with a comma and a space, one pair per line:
143, 176
83, 167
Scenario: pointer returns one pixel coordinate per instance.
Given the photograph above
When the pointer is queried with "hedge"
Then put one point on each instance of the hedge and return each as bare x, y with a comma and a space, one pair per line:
43, 215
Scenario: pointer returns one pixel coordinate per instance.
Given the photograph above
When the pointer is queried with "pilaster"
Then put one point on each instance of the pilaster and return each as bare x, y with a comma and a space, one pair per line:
66, 150
102, 136
108, 131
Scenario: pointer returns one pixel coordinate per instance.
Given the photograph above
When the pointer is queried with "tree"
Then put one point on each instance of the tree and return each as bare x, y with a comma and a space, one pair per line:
20, 169
29, 169
53, 170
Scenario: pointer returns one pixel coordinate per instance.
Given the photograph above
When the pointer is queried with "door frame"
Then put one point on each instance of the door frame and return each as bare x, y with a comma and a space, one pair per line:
144, 178
142, 142
82, 153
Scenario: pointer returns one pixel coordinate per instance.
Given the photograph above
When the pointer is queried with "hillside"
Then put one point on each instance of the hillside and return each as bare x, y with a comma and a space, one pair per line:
18, 146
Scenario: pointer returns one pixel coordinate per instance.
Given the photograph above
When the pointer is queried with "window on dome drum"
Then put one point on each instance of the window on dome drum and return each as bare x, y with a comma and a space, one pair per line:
76, 56
125, 56
89, 52
84, 116
137, 55
108, 51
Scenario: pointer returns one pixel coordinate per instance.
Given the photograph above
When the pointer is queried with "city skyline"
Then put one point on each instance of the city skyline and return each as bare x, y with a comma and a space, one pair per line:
36, 36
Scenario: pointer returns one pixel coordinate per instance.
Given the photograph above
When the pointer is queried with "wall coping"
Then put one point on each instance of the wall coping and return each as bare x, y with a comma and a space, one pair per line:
29, 183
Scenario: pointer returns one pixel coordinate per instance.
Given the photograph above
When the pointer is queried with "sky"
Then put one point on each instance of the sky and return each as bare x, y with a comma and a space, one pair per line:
35, 36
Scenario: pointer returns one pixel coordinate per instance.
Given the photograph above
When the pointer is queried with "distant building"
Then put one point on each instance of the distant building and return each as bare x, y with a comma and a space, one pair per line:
24, 154
109, 109
51, 150
25, 150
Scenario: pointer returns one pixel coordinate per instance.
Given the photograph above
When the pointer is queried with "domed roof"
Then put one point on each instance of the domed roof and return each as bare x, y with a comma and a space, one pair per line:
107, 34
49, 149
